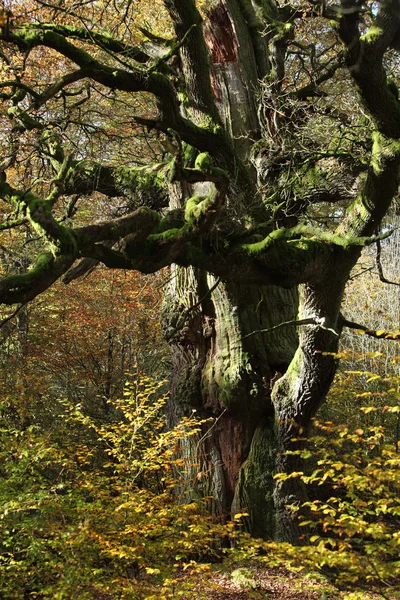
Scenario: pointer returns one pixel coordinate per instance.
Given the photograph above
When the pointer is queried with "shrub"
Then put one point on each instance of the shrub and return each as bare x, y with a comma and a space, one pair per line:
92, 507
355, 531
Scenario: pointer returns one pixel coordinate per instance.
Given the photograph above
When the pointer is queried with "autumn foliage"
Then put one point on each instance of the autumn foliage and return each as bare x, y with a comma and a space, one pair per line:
91, 508
93, 504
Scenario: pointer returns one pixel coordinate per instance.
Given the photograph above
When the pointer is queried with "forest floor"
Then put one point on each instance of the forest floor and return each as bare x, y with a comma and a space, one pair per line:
258, 582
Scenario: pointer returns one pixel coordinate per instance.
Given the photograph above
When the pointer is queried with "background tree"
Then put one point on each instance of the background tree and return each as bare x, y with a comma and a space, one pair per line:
83, 342
233, 149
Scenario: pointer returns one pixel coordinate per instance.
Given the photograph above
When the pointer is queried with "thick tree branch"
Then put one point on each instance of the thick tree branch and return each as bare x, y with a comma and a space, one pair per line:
142, 185
42, 274
84, 267
208, 136
364, 60
114, 78
140, 224
107, 42
379, 189
56, 87
14, 83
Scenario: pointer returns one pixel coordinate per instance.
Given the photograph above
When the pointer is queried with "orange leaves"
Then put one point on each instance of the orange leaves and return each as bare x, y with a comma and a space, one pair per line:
92, 331
3, 17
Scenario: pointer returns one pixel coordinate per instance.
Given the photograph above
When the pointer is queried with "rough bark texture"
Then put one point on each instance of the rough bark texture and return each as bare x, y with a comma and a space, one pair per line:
261, 389
221, 366
221, 373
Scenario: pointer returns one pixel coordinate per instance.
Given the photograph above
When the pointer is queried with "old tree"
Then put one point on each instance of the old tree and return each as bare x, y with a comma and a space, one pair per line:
252, 147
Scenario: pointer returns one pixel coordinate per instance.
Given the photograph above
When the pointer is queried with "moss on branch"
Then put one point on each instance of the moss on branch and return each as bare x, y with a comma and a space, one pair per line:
26, 286
305, 237
38, 212
365, 62
102, 40
139, 225
380, 187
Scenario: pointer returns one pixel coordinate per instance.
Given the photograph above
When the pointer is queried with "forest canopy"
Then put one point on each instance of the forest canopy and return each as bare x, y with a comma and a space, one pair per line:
250, 147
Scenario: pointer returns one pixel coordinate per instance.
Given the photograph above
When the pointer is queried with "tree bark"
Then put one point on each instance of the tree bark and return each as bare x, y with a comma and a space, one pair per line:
261, 387
224, 364
224, 369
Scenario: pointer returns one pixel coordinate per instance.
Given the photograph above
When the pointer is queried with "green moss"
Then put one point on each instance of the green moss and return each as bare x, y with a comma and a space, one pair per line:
252, 14
191, 214
255, 483
204, 162
382, 150
192, 254
172, 220
263, 245
141, 179
378, 189
61, 239
373, 34
306, 178
43, 262
284, 30
29, 35
376, 152
38, 211
183, 97
169, 235
189, 154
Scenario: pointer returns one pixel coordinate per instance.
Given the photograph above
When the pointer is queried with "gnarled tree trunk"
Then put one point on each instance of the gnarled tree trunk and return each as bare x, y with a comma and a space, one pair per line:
226, 360
225, 369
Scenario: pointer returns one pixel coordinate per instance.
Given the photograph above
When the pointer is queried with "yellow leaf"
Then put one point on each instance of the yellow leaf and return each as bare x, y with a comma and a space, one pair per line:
373, 378
240, 515
151, 571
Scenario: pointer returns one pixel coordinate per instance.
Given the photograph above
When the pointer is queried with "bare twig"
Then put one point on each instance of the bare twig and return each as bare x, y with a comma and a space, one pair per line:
379, 264
320, 322
13, 314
